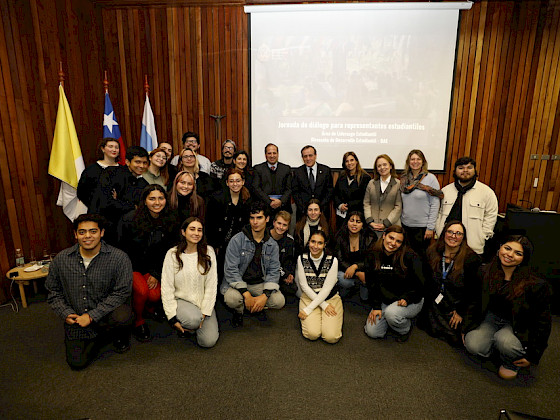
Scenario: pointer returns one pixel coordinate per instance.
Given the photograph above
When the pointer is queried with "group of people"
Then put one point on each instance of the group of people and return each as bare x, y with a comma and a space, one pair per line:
176, 236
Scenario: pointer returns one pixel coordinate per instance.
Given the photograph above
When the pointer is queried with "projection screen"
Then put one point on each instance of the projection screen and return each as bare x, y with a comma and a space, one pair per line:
372, 78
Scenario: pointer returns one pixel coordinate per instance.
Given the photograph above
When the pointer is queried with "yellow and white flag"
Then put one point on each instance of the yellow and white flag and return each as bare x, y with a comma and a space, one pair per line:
66, 162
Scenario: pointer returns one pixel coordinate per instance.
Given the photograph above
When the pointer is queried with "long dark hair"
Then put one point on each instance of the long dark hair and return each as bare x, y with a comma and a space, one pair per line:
142, 217
204, 260
398, 255
359, 171
301, 222
522, 276
344, 228
142, 209
436, 250
325, 239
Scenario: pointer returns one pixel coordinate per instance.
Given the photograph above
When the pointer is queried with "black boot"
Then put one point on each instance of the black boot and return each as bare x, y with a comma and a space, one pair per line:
142, 333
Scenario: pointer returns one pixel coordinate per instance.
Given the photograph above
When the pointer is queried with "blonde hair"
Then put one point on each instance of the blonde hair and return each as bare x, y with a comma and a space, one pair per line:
421, 156
196, 200
182, 167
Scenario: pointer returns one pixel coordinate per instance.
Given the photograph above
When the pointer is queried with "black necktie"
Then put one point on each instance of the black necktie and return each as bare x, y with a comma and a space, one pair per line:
311, 179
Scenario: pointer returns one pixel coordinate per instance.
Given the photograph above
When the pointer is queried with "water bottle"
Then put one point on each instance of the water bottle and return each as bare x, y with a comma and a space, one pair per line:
20, 260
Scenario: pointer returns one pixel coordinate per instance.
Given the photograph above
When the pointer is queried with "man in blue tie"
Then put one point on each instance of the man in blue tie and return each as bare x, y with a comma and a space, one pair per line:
312, 180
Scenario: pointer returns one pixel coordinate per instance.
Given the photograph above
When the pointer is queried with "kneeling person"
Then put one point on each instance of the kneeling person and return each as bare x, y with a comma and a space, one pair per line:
252, 268
286, 249
395, 280
89, 285
189, 281
320, 306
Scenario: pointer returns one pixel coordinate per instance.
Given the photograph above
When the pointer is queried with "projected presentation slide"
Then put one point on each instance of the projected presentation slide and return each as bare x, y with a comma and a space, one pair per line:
370, 81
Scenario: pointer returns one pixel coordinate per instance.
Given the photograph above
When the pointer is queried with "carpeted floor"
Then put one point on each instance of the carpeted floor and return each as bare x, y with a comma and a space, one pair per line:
263, 370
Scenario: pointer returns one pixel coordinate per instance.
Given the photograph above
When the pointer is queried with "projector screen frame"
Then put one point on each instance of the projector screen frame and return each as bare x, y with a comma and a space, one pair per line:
458, 5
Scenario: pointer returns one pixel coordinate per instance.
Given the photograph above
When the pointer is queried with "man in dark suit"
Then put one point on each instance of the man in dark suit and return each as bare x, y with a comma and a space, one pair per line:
272, 182
312, 180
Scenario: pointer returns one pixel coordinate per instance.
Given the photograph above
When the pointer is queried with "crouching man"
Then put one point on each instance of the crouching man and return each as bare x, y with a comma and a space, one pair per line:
252, 269
89, 285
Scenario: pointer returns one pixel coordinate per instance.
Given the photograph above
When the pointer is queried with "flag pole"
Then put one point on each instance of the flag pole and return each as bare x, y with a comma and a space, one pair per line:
66, 162
148, 136
106, 82
112, 121
61, 74
146, 85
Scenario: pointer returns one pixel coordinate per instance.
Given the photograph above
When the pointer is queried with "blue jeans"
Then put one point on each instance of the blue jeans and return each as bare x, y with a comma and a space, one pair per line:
495, 332
394, 316
189, 316
346, 284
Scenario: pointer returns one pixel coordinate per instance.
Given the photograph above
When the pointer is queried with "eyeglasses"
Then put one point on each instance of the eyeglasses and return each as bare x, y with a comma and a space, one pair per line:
191, 142
457, 234
187, 157
229, 148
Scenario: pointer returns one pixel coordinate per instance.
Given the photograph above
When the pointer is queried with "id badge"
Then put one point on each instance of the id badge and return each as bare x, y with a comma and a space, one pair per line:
439, 298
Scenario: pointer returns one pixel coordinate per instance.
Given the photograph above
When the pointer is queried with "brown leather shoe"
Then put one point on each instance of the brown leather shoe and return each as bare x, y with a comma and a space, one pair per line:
506, 373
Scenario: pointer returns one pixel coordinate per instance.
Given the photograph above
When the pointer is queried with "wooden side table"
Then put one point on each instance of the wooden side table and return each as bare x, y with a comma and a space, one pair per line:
23, 278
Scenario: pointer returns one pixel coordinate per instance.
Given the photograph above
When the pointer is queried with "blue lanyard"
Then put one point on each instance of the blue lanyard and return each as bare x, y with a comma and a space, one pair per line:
445, 271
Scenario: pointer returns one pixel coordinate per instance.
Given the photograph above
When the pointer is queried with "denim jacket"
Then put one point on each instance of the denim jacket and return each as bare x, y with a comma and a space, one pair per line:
240, 252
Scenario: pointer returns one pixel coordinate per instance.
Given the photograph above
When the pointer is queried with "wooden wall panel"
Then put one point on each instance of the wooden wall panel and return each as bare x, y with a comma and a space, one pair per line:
193, 70
34, 37
505, 100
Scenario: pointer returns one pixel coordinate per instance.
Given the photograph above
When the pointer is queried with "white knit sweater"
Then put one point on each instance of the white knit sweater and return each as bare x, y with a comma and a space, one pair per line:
188, 283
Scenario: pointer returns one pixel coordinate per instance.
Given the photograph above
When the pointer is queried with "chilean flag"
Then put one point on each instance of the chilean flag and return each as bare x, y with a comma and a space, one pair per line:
111, 128
148, 136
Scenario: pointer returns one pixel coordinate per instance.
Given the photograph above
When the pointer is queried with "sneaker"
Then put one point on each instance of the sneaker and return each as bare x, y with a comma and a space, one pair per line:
506, 373
237, 320
142, 333
122, 345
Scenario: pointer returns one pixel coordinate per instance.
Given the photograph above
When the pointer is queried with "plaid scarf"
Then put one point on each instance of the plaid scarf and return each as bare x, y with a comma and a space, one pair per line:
409, 184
